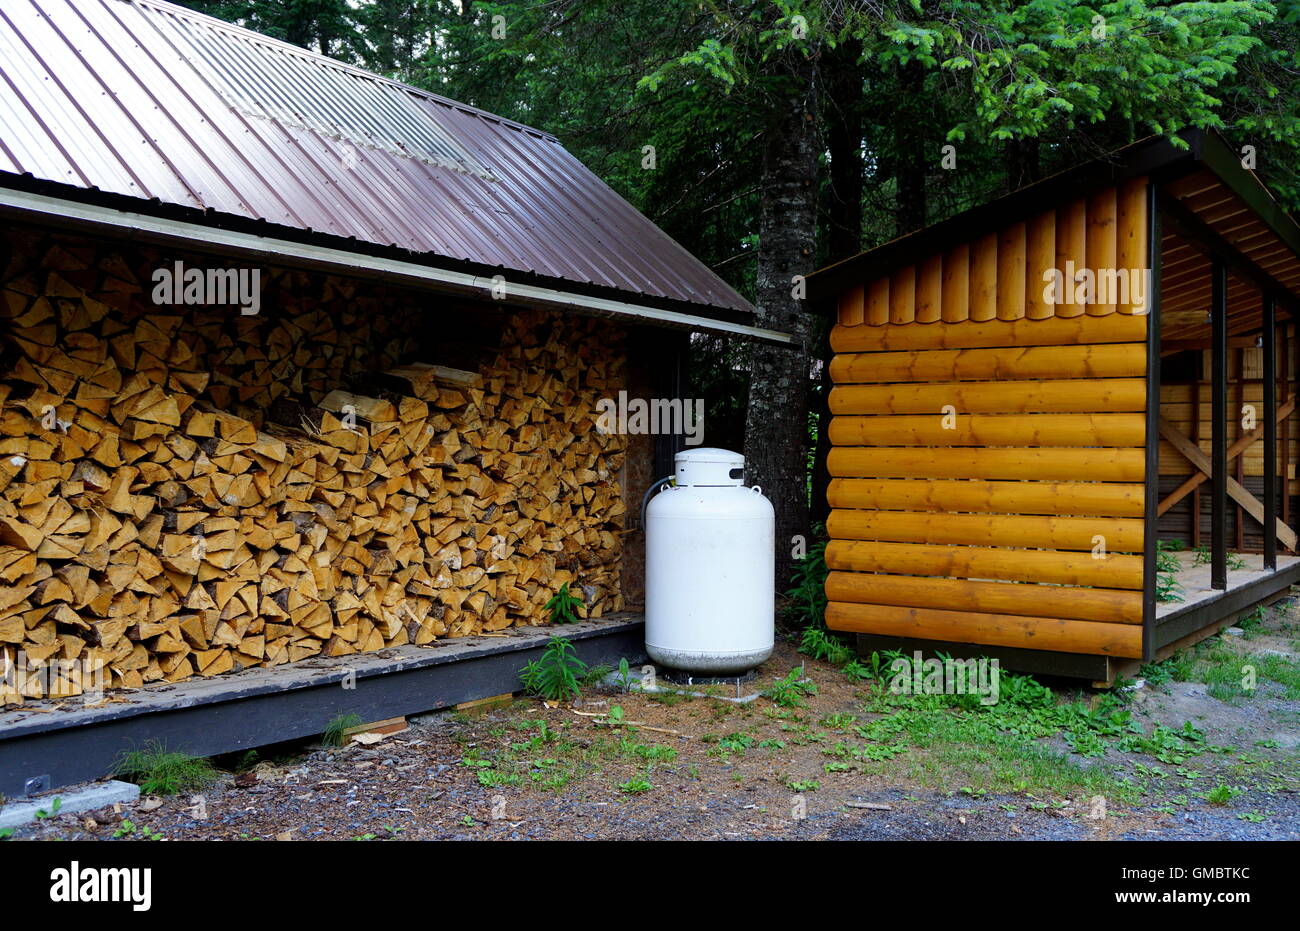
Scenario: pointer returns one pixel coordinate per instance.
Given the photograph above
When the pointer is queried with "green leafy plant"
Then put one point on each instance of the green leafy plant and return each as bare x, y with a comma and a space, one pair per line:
818, 643
1167, 588
159, 771
555, 675
807, 591
129, 828
1167, 569
42, 814
789, 691
635, 786
1223, 794
336, 730
563, 606
624, 678
1203, 557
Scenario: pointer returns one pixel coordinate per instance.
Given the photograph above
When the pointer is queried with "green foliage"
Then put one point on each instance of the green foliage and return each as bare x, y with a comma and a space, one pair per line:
555, 675
635, 786
159, 771
1167, 569
789, 691
1223, 794
820, 644
1203, 557
335, 733
42, 814
562, 606
873, 667
807, 592
624, 679
129, 828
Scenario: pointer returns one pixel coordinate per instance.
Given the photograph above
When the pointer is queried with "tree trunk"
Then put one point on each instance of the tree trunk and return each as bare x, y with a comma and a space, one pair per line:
776, 425
842, 117
910, 211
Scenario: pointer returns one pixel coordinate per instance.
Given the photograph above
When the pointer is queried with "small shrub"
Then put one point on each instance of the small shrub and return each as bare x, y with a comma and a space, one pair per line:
555, 676
563, 606
789, 692
819, 644
1223, 794
336, 730
807, 591
159, 771
635, 786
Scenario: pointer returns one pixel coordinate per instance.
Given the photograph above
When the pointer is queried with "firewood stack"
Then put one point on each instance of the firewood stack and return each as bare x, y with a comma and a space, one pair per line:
187, 491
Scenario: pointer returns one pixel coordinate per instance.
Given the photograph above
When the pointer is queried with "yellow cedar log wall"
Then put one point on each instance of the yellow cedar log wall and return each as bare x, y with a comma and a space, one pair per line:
988, 446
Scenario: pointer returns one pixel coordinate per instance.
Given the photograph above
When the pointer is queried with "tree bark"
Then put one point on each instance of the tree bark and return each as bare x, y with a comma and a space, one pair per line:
842, 115
910, 164
777, 425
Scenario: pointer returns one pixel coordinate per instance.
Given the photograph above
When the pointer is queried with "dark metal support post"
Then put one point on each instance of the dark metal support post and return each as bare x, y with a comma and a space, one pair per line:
1269, 347
1219, 423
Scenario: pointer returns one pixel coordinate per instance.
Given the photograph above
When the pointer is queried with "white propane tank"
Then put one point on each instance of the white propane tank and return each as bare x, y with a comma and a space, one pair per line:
710, 560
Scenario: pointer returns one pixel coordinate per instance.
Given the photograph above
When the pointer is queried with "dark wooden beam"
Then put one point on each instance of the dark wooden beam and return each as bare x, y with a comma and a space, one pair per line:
1219, 427
1203, 237
1270, 432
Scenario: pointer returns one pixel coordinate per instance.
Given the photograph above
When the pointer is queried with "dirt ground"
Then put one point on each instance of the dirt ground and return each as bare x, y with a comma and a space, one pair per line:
1187, 754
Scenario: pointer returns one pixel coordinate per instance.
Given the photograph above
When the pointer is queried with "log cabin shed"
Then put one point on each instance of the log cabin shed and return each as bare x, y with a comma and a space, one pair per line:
395, 451
1071, 470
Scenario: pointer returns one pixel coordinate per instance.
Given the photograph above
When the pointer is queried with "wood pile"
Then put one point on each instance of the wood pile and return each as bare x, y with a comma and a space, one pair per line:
185, 491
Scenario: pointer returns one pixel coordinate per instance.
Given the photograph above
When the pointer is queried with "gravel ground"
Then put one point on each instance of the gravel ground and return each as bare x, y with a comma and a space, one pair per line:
434, 780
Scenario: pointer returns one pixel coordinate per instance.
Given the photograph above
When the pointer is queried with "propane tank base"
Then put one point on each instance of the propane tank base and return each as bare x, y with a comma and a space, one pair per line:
702, 663
682, 677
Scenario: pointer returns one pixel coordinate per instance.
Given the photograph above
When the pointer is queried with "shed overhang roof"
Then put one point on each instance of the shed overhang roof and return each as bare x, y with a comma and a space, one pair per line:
185, 114
1210, 202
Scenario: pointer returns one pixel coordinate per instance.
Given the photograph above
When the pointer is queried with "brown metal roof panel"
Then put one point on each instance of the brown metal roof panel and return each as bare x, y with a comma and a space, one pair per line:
68, 107
142, 98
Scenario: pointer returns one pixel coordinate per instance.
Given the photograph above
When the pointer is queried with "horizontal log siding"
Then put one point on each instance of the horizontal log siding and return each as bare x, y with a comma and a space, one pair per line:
981, 447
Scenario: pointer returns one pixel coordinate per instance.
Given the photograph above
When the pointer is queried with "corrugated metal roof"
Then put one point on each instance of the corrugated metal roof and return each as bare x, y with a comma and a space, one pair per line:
150, 100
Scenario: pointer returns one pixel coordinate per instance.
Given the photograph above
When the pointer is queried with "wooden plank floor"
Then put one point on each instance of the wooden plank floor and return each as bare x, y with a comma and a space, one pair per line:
1195, 580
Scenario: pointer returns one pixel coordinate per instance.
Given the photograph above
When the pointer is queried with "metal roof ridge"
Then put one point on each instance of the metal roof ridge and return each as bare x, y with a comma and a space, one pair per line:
222, 25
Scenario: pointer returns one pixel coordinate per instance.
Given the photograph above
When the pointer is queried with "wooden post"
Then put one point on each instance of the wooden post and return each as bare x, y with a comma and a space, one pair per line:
1238, 520
1286, 426
1269, 345
1196, 437
1219, 424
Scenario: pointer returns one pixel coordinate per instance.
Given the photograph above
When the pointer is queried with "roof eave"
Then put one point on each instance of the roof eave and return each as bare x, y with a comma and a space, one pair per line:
43, 202
1152, 156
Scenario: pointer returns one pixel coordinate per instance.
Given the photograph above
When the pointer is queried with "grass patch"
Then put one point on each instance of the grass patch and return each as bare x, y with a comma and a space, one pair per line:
158, 771
335, 733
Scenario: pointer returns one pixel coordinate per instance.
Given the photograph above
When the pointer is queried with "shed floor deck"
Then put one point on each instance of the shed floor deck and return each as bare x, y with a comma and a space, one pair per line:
58, 743
1194, 580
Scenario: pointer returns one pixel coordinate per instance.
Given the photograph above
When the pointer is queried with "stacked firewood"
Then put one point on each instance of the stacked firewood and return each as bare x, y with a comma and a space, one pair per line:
177, 498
